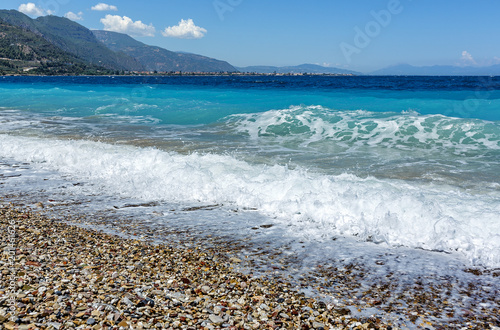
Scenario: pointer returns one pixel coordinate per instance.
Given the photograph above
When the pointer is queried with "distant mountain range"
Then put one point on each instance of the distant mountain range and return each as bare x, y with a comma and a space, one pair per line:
438, 70
303, 68
154, 58
76, 49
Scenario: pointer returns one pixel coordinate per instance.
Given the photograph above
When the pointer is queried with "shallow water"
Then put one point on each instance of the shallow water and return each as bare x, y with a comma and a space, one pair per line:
395, 177
403, 161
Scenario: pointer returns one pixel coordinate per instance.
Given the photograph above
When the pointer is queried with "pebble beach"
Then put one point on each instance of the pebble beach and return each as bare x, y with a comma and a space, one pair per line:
68, 277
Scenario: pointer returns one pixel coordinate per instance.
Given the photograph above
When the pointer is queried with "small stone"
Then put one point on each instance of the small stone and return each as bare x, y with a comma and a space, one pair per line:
285, 316
9, 325
235, 260
217, 320
123, 324
91, 321
150, 302
55, 325
317, 325
264, 307
344, 311
127, 301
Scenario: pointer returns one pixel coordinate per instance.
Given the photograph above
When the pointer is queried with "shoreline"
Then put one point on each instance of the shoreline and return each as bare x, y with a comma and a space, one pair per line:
70, 277
193, 74
368, 288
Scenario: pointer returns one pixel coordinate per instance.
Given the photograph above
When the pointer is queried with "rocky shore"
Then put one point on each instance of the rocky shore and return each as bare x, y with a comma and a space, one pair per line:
67, 277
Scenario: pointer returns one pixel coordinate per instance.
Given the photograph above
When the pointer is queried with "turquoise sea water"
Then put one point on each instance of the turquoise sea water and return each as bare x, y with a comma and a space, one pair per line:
399, 161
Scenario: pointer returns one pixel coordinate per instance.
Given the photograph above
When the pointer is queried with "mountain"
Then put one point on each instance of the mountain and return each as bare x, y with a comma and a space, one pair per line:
437, 70
159, 59
303, 68
24, 51
72, 38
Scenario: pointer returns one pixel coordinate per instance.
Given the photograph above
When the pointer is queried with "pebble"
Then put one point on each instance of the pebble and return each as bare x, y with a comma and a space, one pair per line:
217, 320
317, 325
55, 325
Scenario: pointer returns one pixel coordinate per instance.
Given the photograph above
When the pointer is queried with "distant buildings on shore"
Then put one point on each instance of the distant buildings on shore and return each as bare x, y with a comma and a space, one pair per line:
180, 73
27, 71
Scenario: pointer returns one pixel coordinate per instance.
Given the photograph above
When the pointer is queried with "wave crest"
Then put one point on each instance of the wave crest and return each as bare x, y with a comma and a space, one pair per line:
408, 129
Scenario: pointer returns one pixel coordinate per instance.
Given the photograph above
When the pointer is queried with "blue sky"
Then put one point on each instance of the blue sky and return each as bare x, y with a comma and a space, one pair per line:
361, 35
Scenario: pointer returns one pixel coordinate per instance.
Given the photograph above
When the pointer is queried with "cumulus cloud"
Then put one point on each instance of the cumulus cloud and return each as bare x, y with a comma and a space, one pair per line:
74, 17
186, 29
32, 10
104, 7
125, 24
467, 58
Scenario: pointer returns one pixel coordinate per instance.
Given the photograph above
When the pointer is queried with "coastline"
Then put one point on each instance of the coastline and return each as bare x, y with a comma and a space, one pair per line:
72, 277
187, 74
69, 277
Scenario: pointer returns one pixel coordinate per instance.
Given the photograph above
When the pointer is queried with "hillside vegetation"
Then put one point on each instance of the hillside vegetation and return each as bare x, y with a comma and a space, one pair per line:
24, 52
72, 38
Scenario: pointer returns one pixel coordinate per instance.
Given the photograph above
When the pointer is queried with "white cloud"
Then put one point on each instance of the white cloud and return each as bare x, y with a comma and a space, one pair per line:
32, 10
185, 30
467, 58
126, 25
104, 7
74, 17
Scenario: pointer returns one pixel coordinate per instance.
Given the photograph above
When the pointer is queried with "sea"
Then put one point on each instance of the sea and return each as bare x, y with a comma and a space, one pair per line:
396, 171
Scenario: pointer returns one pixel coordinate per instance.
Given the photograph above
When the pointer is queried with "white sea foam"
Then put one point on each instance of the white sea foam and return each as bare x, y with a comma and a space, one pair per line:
358, 128
313, 205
